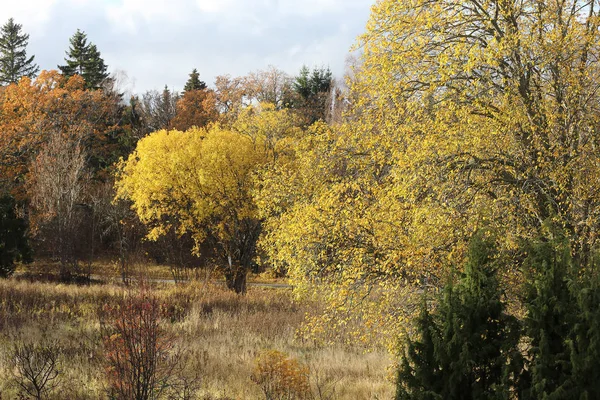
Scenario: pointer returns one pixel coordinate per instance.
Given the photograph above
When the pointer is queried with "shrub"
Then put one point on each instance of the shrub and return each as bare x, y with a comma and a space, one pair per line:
280, 377
563, 323
467, 348
35, 368
140, 354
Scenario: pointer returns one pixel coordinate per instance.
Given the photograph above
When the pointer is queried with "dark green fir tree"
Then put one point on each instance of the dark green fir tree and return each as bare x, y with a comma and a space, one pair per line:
77, 55
309, 84
194, 82
83, 58
420, 376
467, 348
14, 63
563, 323
584, 341
551, 311
95, 68
13, 237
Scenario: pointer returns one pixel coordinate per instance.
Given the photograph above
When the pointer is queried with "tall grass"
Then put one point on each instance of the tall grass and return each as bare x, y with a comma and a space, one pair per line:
221, 335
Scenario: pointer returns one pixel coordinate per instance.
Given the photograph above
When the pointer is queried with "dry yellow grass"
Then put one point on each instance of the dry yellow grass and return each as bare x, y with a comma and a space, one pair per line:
221, 334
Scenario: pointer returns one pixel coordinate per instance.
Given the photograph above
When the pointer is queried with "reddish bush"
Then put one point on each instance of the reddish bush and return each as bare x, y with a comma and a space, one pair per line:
140, 354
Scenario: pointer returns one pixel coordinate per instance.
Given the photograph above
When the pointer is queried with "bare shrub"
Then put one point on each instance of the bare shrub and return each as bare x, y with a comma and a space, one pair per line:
323, 383
58, 181
186, 382
35, 367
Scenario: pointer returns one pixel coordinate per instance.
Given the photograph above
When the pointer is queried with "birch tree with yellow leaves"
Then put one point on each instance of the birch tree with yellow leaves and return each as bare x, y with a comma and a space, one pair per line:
464, 114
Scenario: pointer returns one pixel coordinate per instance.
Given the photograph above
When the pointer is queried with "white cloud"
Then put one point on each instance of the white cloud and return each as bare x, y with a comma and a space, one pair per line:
316, 7
32, 14
158, 42
216, 6
128, 14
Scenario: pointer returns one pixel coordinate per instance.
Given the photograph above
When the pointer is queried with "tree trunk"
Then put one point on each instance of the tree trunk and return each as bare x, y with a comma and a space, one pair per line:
236, 281
235, 277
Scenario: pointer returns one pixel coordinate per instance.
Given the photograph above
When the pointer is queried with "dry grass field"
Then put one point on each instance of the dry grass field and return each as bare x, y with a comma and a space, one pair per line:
219, 339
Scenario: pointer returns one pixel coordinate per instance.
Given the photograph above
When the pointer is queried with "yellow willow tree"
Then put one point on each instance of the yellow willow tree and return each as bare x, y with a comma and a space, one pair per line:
464, 114
200, 182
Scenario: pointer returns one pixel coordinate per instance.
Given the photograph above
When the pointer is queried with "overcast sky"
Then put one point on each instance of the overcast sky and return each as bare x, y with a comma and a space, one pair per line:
158, 42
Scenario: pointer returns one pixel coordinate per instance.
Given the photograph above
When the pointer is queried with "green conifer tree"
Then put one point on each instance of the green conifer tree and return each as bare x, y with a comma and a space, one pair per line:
14, 63
194, 82
467, 348
312, 91
563, 323
94, 68
584, 341
77, 55
13, 237
551, 311
83, 58
420, 376
308, 84
302, 84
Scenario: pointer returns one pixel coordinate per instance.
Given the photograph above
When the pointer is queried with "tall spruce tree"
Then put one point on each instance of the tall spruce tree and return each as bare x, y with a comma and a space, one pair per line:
83, 58
77, 54
467, 348
194, 82
551, 312
95, 68
14, 63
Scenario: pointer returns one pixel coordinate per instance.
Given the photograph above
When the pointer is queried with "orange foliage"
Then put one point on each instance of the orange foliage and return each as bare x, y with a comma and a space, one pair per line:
281, 377
196, 108
34, 110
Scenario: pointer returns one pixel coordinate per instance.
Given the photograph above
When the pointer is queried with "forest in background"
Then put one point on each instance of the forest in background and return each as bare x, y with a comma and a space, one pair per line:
64, 131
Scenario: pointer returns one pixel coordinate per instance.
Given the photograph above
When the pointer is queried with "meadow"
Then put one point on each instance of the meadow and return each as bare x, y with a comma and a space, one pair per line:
219, 338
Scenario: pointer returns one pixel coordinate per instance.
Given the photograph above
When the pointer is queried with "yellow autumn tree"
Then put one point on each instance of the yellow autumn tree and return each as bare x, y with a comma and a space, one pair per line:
464, 114
332, 224
492, 107
200, 182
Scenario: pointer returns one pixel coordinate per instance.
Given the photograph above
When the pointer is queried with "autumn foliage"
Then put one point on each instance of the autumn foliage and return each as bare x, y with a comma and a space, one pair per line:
460, 115
202, 181
196, 108
33, 111
281, 377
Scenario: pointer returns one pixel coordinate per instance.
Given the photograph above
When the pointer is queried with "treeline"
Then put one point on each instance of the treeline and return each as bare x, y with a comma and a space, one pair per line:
63, 131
